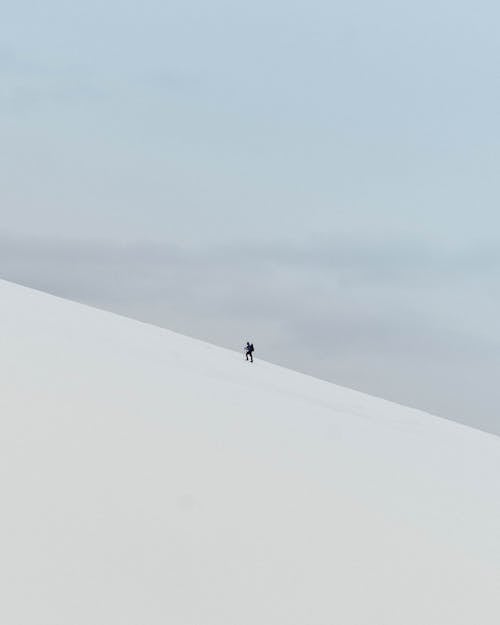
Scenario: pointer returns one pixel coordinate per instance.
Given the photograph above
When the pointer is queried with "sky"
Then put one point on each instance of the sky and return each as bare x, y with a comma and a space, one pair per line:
319, 177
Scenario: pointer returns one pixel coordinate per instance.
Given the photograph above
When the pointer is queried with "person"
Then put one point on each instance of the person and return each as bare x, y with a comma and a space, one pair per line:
249, 351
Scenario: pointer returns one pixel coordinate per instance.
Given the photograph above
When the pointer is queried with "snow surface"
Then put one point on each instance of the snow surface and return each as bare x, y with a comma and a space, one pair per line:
148, 478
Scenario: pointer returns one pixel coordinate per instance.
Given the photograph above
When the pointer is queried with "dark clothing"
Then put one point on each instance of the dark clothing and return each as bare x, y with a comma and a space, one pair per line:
249, 351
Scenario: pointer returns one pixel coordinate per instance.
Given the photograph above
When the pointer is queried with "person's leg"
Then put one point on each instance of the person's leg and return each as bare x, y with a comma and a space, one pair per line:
251, 357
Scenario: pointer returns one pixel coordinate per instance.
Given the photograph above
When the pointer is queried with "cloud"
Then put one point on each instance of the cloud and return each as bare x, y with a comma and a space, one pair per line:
401, 320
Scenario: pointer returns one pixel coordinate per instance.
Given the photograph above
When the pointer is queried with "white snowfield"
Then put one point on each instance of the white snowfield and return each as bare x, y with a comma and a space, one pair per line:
148, 478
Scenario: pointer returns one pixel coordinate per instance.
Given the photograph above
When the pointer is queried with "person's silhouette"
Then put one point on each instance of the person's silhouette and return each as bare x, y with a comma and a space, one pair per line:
249, 351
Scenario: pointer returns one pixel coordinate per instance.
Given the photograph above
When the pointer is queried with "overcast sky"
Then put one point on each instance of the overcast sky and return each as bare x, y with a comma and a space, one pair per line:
320, 177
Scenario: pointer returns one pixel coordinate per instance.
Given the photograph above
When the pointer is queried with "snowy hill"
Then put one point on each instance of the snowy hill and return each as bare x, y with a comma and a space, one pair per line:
148, 478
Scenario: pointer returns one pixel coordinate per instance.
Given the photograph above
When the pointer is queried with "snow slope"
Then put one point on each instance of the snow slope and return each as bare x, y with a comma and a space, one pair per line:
148, 478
